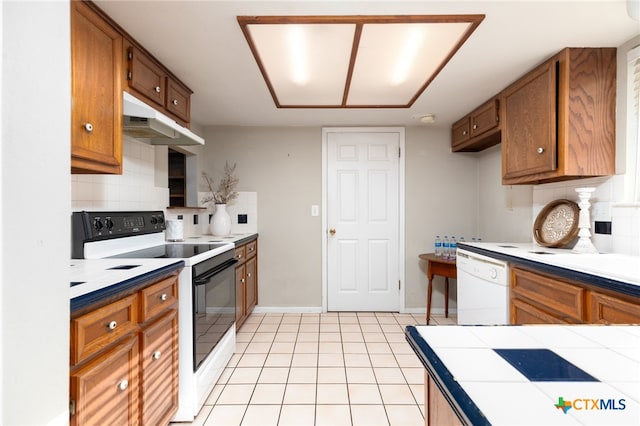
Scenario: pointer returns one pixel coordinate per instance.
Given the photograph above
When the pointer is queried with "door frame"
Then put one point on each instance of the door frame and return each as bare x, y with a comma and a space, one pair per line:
401, 205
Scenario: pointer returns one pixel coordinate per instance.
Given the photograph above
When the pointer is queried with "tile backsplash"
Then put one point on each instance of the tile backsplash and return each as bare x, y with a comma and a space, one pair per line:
134, 189
605, 207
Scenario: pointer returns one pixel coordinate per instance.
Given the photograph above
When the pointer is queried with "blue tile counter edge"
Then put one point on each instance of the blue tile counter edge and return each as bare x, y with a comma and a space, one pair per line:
463, 406
595, 280
112, 290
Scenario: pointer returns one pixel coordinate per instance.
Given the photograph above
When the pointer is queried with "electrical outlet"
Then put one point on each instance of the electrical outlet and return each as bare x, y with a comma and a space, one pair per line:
315, 210
195, 219
242, 218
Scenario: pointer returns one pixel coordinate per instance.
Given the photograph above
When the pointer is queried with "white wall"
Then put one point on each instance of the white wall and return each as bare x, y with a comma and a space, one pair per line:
35, 158
283, 165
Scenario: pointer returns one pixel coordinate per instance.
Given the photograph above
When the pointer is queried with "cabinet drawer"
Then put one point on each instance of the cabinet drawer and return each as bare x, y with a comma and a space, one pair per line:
93, 331
241, 253
178, 100
484, 118
159, 362
524, 313
460, 132
158, 297
558, 298
606, 309
252, 248
145, 76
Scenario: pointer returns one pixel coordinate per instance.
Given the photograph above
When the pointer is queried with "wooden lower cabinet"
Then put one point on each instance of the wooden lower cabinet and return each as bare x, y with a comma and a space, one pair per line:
541, 298
104, 391
609, 309
246, 280
438, 412
159, 370
124, 359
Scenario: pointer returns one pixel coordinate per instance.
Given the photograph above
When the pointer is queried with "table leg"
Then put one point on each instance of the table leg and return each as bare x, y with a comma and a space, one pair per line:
429, 290
446, 297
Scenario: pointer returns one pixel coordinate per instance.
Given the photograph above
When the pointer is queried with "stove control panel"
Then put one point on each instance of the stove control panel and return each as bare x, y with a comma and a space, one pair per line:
96, 225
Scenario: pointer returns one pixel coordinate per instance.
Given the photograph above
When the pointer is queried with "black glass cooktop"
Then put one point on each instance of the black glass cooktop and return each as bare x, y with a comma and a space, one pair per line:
177, 251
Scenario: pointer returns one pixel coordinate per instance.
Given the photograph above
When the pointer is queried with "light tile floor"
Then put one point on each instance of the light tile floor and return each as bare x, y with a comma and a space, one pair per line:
321, 369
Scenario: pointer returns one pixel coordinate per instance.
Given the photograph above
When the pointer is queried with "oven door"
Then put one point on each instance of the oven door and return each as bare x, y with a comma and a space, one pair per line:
214, 307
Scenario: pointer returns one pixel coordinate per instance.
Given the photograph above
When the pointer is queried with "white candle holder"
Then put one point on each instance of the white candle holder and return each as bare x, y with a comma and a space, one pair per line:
584, 244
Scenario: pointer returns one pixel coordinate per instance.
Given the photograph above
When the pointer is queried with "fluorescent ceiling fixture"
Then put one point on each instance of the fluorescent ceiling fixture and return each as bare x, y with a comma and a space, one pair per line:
353, 61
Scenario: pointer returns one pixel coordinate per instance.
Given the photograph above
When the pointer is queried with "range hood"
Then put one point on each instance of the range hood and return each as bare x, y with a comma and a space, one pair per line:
144, 122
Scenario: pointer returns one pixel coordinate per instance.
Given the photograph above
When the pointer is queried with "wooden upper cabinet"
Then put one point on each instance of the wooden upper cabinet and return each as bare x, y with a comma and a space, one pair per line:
145, 76
558, 121
178, 99
478, 130
96, 92
154, 84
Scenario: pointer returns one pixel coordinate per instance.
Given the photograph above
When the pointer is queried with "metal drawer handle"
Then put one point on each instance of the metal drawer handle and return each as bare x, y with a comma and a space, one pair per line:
475, 126
242, 280
464, 132
239, 256
540, 150
157, 89
248, 274
123, 385
88, 127
156, 355
175, 102
112, 325
164, 297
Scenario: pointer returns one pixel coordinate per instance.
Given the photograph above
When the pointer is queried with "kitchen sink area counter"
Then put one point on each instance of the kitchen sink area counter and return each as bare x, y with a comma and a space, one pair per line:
608, 270
534, 374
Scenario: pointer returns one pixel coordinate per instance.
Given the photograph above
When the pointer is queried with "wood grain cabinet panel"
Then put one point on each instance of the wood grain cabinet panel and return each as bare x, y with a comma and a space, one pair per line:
104, 391
146, 77
158, 297
478, 130
178, 100
549, 295
96, 92
246, 280
94, 331
610, 309
159, 370
558, 121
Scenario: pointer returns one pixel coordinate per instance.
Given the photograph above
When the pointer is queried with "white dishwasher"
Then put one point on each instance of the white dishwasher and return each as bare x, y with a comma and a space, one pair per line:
483, 289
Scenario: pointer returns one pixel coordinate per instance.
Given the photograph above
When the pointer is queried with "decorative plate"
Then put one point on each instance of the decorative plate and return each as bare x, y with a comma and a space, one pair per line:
557, 223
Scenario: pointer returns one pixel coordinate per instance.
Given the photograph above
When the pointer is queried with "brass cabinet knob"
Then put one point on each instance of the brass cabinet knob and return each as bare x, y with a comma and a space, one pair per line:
332, 231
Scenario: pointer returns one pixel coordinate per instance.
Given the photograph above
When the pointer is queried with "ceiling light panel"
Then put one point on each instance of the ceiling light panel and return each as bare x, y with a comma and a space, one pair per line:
395, 61
353, 61
305, 63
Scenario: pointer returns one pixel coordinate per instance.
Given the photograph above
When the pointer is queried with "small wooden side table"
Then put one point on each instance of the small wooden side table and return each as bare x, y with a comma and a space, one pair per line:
436, 265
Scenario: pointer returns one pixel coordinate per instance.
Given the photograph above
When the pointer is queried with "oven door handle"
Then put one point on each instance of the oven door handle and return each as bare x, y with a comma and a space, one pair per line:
204, 278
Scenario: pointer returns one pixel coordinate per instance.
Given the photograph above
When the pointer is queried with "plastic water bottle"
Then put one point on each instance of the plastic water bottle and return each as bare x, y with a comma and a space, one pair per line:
452, 248
445, 247
438, 246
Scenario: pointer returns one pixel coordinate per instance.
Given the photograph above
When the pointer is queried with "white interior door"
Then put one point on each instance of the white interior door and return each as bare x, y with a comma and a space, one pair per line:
362, 196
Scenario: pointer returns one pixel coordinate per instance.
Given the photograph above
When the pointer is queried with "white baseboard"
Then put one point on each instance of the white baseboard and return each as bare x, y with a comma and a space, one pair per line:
287, 309
437, 311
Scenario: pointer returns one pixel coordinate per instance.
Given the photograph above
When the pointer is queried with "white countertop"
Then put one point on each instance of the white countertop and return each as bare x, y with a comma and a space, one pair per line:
610, 354
617, 267
203, 239
96, 274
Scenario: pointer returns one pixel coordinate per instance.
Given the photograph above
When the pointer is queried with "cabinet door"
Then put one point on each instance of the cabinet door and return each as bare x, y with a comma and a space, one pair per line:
178, 100
240, 294
529, 130
105, 390
252, 283
485, 118
460, 132
159, 374
146, 77
607, 309
96, 93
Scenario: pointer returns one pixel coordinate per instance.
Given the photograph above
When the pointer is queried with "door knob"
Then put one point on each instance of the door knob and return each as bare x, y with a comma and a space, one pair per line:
332, 231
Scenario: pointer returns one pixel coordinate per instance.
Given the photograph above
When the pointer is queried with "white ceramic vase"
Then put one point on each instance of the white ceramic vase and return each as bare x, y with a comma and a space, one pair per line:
220, 225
